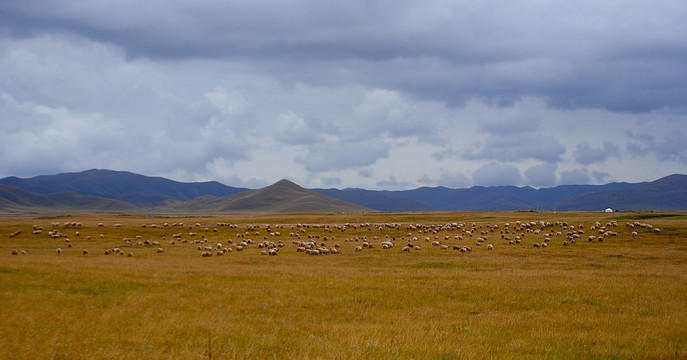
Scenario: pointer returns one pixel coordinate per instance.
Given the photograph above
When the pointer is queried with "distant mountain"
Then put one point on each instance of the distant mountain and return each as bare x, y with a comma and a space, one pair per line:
134, 188
282, 197
378, 200
499, 198
476, 198
106, 190
668, 193
16, 200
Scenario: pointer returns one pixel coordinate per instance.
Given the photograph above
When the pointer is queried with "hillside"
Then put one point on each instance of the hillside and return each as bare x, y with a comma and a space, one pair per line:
121, 185
282, 197
16, 200
476, 198
160, 195
668, 193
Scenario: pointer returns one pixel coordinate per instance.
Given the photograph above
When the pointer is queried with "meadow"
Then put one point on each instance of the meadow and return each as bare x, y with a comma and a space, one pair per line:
621, 298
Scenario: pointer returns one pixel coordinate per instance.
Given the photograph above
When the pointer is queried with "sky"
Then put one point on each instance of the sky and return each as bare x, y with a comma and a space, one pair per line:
372, 94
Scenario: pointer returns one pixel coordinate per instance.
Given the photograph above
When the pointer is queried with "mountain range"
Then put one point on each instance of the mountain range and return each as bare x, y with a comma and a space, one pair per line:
125, 192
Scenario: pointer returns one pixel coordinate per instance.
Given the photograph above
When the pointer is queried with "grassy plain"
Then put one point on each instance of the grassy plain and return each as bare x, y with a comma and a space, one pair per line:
625, 297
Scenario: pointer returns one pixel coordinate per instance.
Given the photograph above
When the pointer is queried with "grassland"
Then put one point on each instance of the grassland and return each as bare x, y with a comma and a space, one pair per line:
625, 297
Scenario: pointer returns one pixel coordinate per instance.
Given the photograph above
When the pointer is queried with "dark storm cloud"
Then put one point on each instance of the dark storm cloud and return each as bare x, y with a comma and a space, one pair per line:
623, 57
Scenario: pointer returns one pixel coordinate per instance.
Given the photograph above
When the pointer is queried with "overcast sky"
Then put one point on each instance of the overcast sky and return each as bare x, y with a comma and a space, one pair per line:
372, 94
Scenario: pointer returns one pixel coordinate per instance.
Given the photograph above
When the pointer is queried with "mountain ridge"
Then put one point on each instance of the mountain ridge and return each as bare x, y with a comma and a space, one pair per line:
121, 185
667, 193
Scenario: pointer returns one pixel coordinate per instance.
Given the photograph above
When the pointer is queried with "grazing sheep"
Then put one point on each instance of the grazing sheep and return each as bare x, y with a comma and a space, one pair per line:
15, 251
634, 234
85, 252
536, 245
490, 247
160, 250
358, 248
58, 250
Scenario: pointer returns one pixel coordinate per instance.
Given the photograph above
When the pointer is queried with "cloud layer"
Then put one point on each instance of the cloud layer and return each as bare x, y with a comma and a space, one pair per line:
358, 94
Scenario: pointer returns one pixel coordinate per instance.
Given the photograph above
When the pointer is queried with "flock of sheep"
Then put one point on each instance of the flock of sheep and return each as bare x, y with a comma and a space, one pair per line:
319, 239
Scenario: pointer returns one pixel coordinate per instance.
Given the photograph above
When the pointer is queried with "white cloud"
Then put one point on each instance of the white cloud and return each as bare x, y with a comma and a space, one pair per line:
451, 180
542, 175
585, 154
575, 177
494, 174
518, 148
291, 129
339, 155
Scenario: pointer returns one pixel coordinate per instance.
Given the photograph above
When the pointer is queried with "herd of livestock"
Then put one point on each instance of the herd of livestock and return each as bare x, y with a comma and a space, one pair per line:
323, 239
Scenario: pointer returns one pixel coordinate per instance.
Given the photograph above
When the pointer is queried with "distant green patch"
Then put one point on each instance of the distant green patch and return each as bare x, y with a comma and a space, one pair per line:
54, 217
650, 216
14, 271
100, 288
435, 265
615, 256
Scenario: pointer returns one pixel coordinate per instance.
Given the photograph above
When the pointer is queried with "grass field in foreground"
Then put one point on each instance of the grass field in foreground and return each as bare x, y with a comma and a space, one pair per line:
625, 297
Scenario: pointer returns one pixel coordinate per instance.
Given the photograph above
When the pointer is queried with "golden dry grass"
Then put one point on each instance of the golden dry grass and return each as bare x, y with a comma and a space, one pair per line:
622, 298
